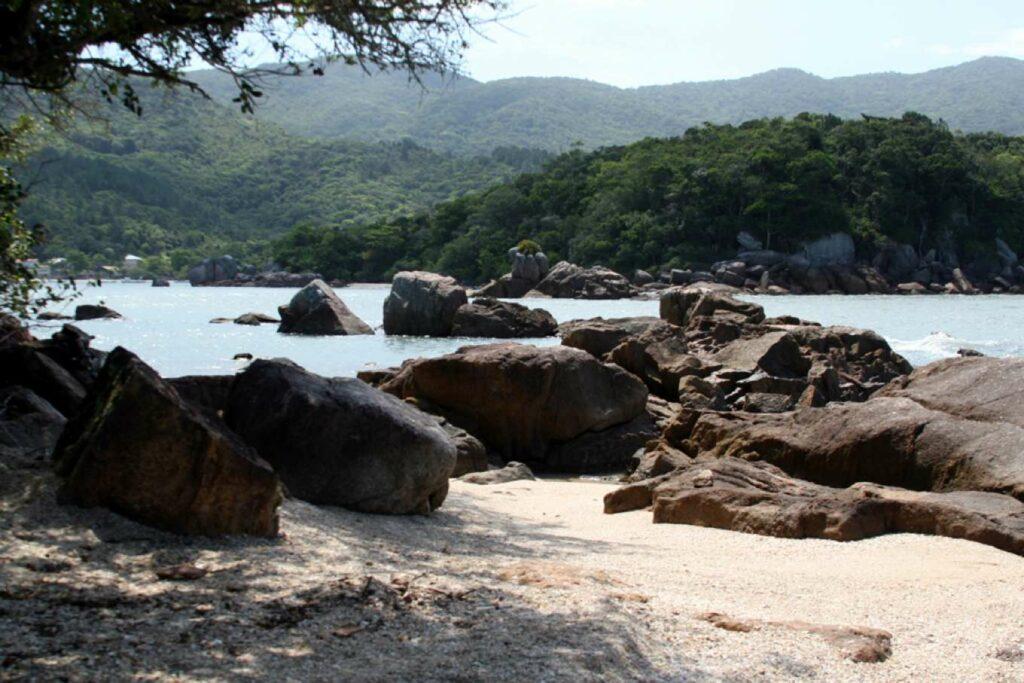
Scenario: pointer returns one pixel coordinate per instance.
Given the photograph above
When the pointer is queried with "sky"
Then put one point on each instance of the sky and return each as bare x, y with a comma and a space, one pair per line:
646, 42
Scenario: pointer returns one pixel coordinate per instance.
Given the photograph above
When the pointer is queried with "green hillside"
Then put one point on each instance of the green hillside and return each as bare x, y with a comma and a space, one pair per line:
194, 174
463, 115
682, 201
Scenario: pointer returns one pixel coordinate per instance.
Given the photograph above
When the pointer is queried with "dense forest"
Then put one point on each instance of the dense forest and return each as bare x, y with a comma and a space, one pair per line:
464, 116
191, 178
680, 201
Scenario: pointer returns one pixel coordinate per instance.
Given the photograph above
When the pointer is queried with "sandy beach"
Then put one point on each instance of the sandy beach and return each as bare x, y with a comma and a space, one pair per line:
519, 581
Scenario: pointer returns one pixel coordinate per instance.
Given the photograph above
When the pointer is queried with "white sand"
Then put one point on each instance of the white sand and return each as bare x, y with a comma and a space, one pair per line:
521, 581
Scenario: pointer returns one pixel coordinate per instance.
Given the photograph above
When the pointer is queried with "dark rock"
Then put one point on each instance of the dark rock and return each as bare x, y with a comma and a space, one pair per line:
160, 282
207, 393
528, 267
95, 312
70, 348
521, 400
213, 270
502, 320
338, 441
422, 304
642, 277
255, 319
755, 497
52, 315
569, 281
767, 403
29, 426
836, 249
141, 450
505, 287
609, 450
969, 353
29, 367
513, 471
316, 310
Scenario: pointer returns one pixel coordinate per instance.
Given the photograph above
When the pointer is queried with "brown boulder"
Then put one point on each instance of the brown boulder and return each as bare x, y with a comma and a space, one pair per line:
316, 310
486, 317
680, 306
761, 499
141, 450
598, 336
521, 400
569, 281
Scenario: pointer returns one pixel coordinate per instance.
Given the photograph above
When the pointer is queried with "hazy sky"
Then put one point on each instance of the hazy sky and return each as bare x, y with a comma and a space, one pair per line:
642, 42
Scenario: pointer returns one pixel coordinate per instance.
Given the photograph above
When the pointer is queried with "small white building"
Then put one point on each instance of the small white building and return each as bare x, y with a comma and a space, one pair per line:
132, 262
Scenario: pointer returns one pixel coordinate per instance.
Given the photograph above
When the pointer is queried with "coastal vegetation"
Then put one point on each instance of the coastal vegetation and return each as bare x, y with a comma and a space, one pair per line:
674, 202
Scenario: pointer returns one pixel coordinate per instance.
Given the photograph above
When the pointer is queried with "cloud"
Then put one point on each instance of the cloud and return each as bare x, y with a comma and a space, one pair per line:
1008, 43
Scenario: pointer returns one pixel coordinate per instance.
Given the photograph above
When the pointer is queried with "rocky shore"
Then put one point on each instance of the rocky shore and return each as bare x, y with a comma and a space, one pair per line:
711, 415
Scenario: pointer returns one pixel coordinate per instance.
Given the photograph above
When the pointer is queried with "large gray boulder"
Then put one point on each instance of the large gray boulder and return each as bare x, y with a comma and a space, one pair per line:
213, 270
141, 450
339, 441
316, 310
422, 304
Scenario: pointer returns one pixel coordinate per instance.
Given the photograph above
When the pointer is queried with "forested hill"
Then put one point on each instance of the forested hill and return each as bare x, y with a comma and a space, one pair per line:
676, 202
192, 177
466, 116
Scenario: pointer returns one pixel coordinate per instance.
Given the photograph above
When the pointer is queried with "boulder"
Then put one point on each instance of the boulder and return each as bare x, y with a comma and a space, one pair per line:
954, 425
316, 310
776, 353
505, 287
29, 426
748, 242
523, 400
679, 305
897, 262
836, 249
255, 319
141, 450
470, 452
599, 336
422, 304
569, 281
609, 450
642, 277
213, 270
207, 393
28, 366
95, 312
339, 441
528, 267
513, 471
70, 348
755, 497
487, 317
961, 282
160, 282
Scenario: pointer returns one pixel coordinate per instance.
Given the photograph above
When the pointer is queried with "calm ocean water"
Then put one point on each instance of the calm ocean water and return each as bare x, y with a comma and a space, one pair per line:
169, 327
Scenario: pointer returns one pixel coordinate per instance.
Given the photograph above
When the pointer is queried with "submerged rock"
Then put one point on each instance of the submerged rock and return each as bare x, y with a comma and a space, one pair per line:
339, 441
316, 310
422, 304
141, 450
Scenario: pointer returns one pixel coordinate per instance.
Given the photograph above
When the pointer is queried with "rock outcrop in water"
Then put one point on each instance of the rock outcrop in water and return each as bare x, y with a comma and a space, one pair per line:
95, 312
316, 310
422, 304
486, 317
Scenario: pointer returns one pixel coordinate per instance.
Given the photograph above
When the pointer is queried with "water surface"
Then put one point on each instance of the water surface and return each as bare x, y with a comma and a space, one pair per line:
169, 327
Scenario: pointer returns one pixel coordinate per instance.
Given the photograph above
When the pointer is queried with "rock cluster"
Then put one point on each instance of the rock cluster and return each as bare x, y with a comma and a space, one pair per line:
427, 304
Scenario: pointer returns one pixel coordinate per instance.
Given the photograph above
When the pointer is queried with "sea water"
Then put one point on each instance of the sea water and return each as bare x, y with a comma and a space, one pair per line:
170, 328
